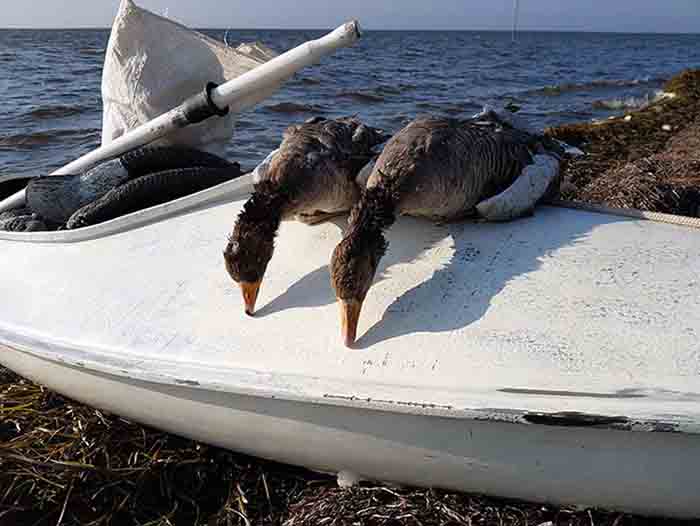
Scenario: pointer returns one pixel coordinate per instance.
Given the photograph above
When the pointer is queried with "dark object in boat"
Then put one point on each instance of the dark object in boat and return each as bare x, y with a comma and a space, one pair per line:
150, 190
58, 197
311, 178
22, 220
153, 159
434, 168
12, 186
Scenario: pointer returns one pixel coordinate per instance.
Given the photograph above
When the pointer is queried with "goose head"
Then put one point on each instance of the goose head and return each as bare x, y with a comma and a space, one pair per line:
356, 258
250, 246
353, 268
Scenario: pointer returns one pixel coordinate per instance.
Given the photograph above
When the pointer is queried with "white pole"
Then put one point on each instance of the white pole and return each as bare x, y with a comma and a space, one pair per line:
516, 14
232, 95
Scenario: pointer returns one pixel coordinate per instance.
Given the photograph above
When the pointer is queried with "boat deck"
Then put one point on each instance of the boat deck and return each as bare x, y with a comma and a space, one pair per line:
567, 316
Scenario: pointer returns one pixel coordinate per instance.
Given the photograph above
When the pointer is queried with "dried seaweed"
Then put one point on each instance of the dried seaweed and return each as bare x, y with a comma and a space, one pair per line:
103, 469
648, 159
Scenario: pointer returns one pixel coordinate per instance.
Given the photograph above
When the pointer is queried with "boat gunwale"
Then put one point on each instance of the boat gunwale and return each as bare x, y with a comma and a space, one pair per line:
224, 192
327, 391
243, 186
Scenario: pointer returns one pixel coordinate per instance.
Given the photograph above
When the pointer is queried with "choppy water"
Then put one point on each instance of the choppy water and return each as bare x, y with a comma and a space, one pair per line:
50, 108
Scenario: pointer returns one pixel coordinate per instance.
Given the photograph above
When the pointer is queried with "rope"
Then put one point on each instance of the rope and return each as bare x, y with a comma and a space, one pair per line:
692, 222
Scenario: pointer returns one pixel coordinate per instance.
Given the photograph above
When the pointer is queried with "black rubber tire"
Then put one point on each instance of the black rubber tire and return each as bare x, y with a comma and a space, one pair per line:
154, 159
149, 190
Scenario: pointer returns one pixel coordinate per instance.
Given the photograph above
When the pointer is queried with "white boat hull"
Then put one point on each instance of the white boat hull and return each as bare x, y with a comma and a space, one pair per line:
654, 474
551, 359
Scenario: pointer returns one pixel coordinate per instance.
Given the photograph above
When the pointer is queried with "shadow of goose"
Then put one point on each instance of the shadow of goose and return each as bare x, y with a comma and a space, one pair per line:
410, 239
478, 260
313, 290
484, 259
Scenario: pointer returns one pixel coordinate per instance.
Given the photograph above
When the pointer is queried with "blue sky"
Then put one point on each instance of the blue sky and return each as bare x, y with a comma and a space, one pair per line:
585, 15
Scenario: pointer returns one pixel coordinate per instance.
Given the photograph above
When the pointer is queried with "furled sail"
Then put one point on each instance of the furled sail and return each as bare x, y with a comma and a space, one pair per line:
153, 64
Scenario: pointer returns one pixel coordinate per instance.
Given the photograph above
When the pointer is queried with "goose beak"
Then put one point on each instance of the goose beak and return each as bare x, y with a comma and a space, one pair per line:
250, 295
349, 316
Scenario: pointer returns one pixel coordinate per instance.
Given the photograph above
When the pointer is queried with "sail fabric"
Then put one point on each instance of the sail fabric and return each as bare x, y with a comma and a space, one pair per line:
153, 64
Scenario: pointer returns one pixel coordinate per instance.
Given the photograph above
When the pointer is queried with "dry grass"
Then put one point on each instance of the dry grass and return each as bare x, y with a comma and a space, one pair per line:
60, 457
65, 463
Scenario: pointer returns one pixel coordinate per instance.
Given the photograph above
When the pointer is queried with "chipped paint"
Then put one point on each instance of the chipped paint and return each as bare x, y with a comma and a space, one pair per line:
574, 419
191, 383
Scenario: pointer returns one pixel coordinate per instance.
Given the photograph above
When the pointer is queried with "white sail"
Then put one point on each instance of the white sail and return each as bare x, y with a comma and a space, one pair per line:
152, 64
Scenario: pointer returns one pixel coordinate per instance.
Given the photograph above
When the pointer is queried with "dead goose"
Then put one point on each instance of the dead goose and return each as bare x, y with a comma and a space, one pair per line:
56, 198
434, 168
310, 178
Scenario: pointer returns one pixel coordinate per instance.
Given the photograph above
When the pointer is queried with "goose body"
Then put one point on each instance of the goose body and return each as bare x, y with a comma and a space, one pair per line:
311, 177
317, 165
442, 168
434, 168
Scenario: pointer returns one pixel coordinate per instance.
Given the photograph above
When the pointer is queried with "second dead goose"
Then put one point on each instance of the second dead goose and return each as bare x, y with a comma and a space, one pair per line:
434, 168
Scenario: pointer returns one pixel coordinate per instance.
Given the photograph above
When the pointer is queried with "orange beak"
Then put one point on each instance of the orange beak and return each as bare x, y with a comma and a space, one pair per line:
250, 295
349, 316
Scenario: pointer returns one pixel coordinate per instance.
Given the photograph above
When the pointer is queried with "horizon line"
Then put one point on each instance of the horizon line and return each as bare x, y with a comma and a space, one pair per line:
364, 29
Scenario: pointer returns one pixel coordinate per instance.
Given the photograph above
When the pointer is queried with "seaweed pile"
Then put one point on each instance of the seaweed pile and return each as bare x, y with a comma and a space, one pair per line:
65, 463
647, 159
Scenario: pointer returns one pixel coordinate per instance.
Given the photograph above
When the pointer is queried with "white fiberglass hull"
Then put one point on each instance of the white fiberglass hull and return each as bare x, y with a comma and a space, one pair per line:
551, 359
